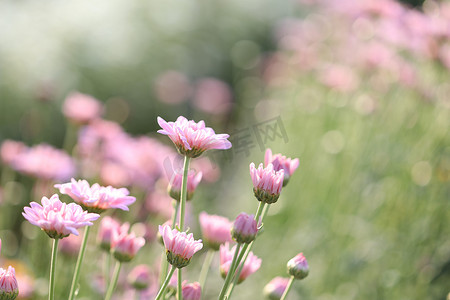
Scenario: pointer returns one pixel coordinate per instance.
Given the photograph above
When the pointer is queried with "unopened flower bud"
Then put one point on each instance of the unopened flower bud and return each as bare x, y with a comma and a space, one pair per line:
298, 266
192, 291
275, 288
244, 228
139, 277
174, 187
9, 289
267, 183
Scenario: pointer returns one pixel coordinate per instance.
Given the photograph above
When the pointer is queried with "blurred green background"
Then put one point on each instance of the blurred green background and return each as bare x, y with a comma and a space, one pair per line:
369, 204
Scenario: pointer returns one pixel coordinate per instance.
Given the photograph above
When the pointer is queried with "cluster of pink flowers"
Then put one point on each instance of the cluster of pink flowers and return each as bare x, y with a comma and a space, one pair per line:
58, 219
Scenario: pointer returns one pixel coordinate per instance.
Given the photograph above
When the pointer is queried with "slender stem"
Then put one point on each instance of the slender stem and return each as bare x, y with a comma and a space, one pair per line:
107, 265
51, 287
288, 288
205, 268
259, 210
230, 272
184, 191
179, 288
113, 283
165, 283
76, 274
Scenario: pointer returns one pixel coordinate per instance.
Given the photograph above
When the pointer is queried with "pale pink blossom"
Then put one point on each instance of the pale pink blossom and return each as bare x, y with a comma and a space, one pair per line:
81, 108
215, 230
140, 277
251, 265
159, 203
191, 138
191, 291
244, 228
125, 245
9, 288
281, 162
96, 198
267, 182
108, 225
212, 96
180, 247
275, 288
174, 187
45, 162
298, 266
10, 150
58, 219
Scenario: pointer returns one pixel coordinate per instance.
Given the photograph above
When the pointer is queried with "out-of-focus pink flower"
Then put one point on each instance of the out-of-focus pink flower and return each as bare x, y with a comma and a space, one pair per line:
267, 182
275, 288
108, 225
212, 96
174, 187
45, 162
96, 198
298, 266
70, 245
81, 108
58, 219
27, 285
340, 78
124, 245
9, 288
209, 169
191, 291
10, 150
281, 162
172, 87
180, 247
192, 139
244, 228
159, 203
251, 265
140, 277
215, 230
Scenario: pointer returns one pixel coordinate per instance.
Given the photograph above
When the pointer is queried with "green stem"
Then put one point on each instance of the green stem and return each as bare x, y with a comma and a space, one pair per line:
51, 287
183, 197
76, 274
259, 210
230, 272
165, 283
107, 264
113, 283
179, 288
70, 137
205, 268
288, 288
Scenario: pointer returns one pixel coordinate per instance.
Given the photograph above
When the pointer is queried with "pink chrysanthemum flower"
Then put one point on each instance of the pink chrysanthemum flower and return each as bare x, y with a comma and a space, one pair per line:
191, 291
9, 288
108, 225
81, 108
192, 139
298, 266
275, 288
267, 182
58, 219
174, 187
281, 162
244, 228
180, 247
96, 198
124, 245
251, 265
215, 230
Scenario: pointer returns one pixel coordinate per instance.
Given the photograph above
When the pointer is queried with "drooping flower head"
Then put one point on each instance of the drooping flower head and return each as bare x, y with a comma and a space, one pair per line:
267, 182
275, 288
108, 225
124, 245
298, 266
191, 138
244, 228
9, 288
281, 162
58, 219
81, 108
180, 247
251, 265
174, 187
96, 198
140, 277
215, 230
191, 291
